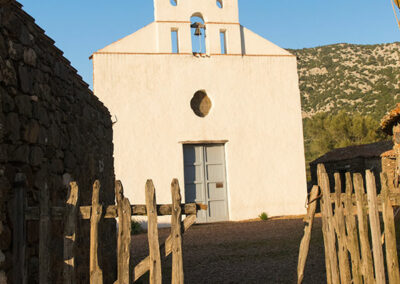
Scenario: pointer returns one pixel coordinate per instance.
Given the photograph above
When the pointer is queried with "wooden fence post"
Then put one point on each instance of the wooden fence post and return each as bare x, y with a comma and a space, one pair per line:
44, 235
324, 229
328, 228
366, 256
124, 234
144, 266
96, 275
345, 276
176, 234
305, 242
390, 234
152, 232
352, 236
19, 230
375, 227
71, 214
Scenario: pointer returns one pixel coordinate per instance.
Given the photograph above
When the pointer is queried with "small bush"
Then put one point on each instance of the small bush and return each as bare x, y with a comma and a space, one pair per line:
263, 216
136, 227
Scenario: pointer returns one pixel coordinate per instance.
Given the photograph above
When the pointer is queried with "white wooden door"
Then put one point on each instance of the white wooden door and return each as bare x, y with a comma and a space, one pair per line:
205, 180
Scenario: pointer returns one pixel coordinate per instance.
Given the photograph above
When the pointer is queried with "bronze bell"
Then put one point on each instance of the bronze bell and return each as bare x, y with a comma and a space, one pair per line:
197, 32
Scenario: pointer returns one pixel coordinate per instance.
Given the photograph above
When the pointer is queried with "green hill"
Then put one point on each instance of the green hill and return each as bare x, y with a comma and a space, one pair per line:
362, 79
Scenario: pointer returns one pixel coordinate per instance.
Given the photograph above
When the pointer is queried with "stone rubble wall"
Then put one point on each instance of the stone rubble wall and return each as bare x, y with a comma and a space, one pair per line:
53, 130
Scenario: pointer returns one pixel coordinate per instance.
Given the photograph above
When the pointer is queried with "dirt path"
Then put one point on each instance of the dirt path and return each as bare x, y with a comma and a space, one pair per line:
249, 252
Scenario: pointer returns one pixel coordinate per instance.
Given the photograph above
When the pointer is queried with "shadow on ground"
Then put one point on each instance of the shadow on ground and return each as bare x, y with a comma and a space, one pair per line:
245, 252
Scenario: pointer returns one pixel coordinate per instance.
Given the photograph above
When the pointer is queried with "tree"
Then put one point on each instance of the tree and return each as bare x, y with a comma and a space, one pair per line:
325, 132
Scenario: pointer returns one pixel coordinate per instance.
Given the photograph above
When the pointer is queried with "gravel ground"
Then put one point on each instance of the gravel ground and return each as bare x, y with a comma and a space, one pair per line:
243, 252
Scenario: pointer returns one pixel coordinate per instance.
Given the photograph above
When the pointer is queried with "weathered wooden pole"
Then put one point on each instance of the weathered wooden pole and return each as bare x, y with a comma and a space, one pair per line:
71, 215
331, 260
124, 234
375, 228
142, 267
96, 275
392, 261
19, 230
352, 235
152, 234
305, 242
44, 235
366, 256
176, 234
345, 276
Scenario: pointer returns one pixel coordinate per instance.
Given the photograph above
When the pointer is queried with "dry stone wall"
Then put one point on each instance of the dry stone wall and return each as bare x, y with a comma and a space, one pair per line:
52, 130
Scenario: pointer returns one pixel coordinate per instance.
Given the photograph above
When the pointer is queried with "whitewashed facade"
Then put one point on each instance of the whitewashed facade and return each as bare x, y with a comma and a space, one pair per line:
244, 155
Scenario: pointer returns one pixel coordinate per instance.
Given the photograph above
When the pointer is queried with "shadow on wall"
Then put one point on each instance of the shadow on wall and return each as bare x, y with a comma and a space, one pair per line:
53, 130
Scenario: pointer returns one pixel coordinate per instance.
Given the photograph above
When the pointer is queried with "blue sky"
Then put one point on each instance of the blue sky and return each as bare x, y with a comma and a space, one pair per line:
81, 27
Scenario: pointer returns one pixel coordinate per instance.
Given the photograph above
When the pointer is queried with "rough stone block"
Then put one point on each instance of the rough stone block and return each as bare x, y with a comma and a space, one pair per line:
36, 156
5, 238
3, 47
42, 139
30, 57
69, 161
21, 154
24, 105
40, 113
31, 132
8, 74
13, 126
25, 37
8, 104
54, 135
15, 50
57, 166
26, 79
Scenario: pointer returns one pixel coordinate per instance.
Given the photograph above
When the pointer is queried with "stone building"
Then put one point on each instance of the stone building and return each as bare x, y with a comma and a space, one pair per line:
199, 97
52, 130
390, 125
355, 159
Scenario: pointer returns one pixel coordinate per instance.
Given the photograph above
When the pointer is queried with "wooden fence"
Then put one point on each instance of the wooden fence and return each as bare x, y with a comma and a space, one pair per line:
351, 225
122, 210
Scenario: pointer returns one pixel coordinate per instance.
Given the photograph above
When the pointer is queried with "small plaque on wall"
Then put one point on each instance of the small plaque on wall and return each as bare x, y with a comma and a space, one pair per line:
220, 184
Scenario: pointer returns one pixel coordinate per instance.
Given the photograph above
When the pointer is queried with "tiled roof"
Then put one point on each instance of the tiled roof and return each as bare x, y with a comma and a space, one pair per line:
373, 150
390, 119
390, 154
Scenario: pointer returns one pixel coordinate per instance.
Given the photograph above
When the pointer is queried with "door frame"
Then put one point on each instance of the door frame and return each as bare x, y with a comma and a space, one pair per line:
205, 143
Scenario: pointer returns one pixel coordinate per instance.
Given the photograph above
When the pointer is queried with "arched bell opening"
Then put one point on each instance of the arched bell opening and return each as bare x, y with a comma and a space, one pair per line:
198, 33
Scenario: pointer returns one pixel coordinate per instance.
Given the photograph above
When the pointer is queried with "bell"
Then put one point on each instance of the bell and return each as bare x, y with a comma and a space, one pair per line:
197, 32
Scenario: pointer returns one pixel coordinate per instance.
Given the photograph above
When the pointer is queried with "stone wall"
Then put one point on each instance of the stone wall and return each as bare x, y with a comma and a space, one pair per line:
389, 167
53, 130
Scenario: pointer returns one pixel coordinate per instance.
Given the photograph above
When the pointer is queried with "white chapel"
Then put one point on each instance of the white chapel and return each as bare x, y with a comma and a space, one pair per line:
198, 97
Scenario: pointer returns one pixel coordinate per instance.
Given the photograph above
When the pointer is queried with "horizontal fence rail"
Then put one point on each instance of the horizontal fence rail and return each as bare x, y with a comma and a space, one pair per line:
96, 212
111, 212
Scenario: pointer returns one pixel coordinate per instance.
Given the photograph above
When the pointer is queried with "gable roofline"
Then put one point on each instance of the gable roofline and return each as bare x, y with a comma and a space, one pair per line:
372, 150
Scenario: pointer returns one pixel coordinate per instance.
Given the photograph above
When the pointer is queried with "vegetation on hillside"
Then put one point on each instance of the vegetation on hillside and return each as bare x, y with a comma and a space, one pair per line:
362, 79
346, 89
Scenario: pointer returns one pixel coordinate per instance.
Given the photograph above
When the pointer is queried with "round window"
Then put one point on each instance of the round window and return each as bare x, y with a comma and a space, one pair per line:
173, 2
201, 104
220, 4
